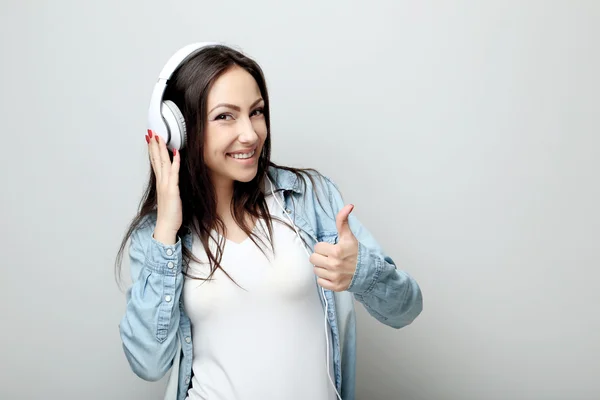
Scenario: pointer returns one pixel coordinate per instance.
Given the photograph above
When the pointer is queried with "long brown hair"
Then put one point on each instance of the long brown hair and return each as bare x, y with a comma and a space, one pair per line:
188, 89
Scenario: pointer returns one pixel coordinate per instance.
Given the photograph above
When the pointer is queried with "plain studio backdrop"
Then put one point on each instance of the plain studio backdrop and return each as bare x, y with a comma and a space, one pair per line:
465, 132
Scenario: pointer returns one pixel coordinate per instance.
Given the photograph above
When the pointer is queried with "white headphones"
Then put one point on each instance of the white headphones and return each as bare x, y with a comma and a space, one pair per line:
164, 117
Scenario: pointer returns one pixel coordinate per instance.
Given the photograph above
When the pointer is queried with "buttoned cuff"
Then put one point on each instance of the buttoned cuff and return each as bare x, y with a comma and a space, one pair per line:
164, 259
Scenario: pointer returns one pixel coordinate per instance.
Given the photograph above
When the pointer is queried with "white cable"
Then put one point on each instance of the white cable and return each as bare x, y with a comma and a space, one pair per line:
322, 290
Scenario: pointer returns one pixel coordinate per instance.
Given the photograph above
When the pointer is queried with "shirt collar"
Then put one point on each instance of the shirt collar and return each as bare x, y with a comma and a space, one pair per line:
284, 179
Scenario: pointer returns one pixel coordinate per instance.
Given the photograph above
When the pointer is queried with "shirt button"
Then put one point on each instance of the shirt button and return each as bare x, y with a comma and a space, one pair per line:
169, 252
187, 381
187, 339
167, 298
170, 264
287, 210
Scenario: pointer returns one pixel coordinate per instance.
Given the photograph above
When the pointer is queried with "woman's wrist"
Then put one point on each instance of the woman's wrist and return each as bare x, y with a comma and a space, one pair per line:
165, 236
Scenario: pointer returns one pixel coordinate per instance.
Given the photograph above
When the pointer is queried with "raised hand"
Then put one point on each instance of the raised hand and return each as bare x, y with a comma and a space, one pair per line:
169, 212
335, 264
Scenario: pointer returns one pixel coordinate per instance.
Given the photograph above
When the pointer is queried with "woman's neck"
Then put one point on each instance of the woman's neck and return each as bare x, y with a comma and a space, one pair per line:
224, 196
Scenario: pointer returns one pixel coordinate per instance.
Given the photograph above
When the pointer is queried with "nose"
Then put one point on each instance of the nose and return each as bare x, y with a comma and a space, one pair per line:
247, 133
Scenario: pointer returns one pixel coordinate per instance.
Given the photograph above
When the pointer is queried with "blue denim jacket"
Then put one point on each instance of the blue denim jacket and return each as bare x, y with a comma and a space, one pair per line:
156, 332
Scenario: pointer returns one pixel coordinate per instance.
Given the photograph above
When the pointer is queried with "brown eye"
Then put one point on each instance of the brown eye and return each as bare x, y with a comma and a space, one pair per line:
223, 117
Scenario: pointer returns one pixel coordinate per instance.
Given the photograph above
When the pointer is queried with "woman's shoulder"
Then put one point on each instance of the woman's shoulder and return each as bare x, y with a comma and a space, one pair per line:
302, 180
318, 192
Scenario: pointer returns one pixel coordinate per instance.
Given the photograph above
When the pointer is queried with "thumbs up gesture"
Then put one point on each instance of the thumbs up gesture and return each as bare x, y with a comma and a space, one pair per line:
335, 264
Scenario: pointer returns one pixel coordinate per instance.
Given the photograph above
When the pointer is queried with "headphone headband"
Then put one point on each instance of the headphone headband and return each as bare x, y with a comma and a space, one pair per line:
164, 118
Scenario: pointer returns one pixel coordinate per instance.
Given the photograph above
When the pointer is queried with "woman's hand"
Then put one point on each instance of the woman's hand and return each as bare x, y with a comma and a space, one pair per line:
169, 213
335, 264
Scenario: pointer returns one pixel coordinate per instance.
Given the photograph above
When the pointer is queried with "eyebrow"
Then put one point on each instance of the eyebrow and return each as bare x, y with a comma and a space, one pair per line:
234, 107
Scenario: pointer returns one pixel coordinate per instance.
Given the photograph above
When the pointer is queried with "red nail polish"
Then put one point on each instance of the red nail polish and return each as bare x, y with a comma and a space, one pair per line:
149, 133
156, 137
174, 152
147, 139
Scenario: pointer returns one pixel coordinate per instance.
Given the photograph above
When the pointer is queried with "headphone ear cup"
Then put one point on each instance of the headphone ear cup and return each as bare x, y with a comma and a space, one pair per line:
175, 124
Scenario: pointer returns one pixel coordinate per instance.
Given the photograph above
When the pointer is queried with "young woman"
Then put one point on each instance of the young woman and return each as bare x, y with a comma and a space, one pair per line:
244, 272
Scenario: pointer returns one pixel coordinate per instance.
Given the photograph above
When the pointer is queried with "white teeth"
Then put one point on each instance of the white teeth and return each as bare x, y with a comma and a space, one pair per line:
243, 156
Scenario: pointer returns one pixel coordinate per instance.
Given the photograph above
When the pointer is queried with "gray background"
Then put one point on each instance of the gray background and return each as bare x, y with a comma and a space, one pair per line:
465, 132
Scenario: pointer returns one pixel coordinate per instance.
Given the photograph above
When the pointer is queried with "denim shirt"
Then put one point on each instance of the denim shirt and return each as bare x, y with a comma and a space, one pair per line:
156, 332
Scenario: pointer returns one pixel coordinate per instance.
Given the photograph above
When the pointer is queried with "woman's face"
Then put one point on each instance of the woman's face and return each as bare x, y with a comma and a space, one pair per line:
235, 128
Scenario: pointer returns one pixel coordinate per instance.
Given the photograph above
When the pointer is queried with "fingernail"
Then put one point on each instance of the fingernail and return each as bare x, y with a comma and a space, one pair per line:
174, 152
149, 133
156, 137
147, 139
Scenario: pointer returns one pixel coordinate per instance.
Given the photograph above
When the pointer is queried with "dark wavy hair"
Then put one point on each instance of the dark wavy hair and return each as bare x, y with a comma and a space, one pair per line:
188, 88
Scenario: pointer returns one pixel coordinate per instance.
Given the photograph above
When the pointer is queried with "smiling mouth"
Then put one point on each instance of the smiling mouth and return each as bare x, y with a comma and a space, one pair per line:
242, 156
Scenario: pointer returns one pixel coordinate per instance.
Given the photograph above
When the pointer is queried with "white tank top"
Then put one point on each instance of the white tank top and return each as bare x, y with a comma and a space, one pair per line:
265, 340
